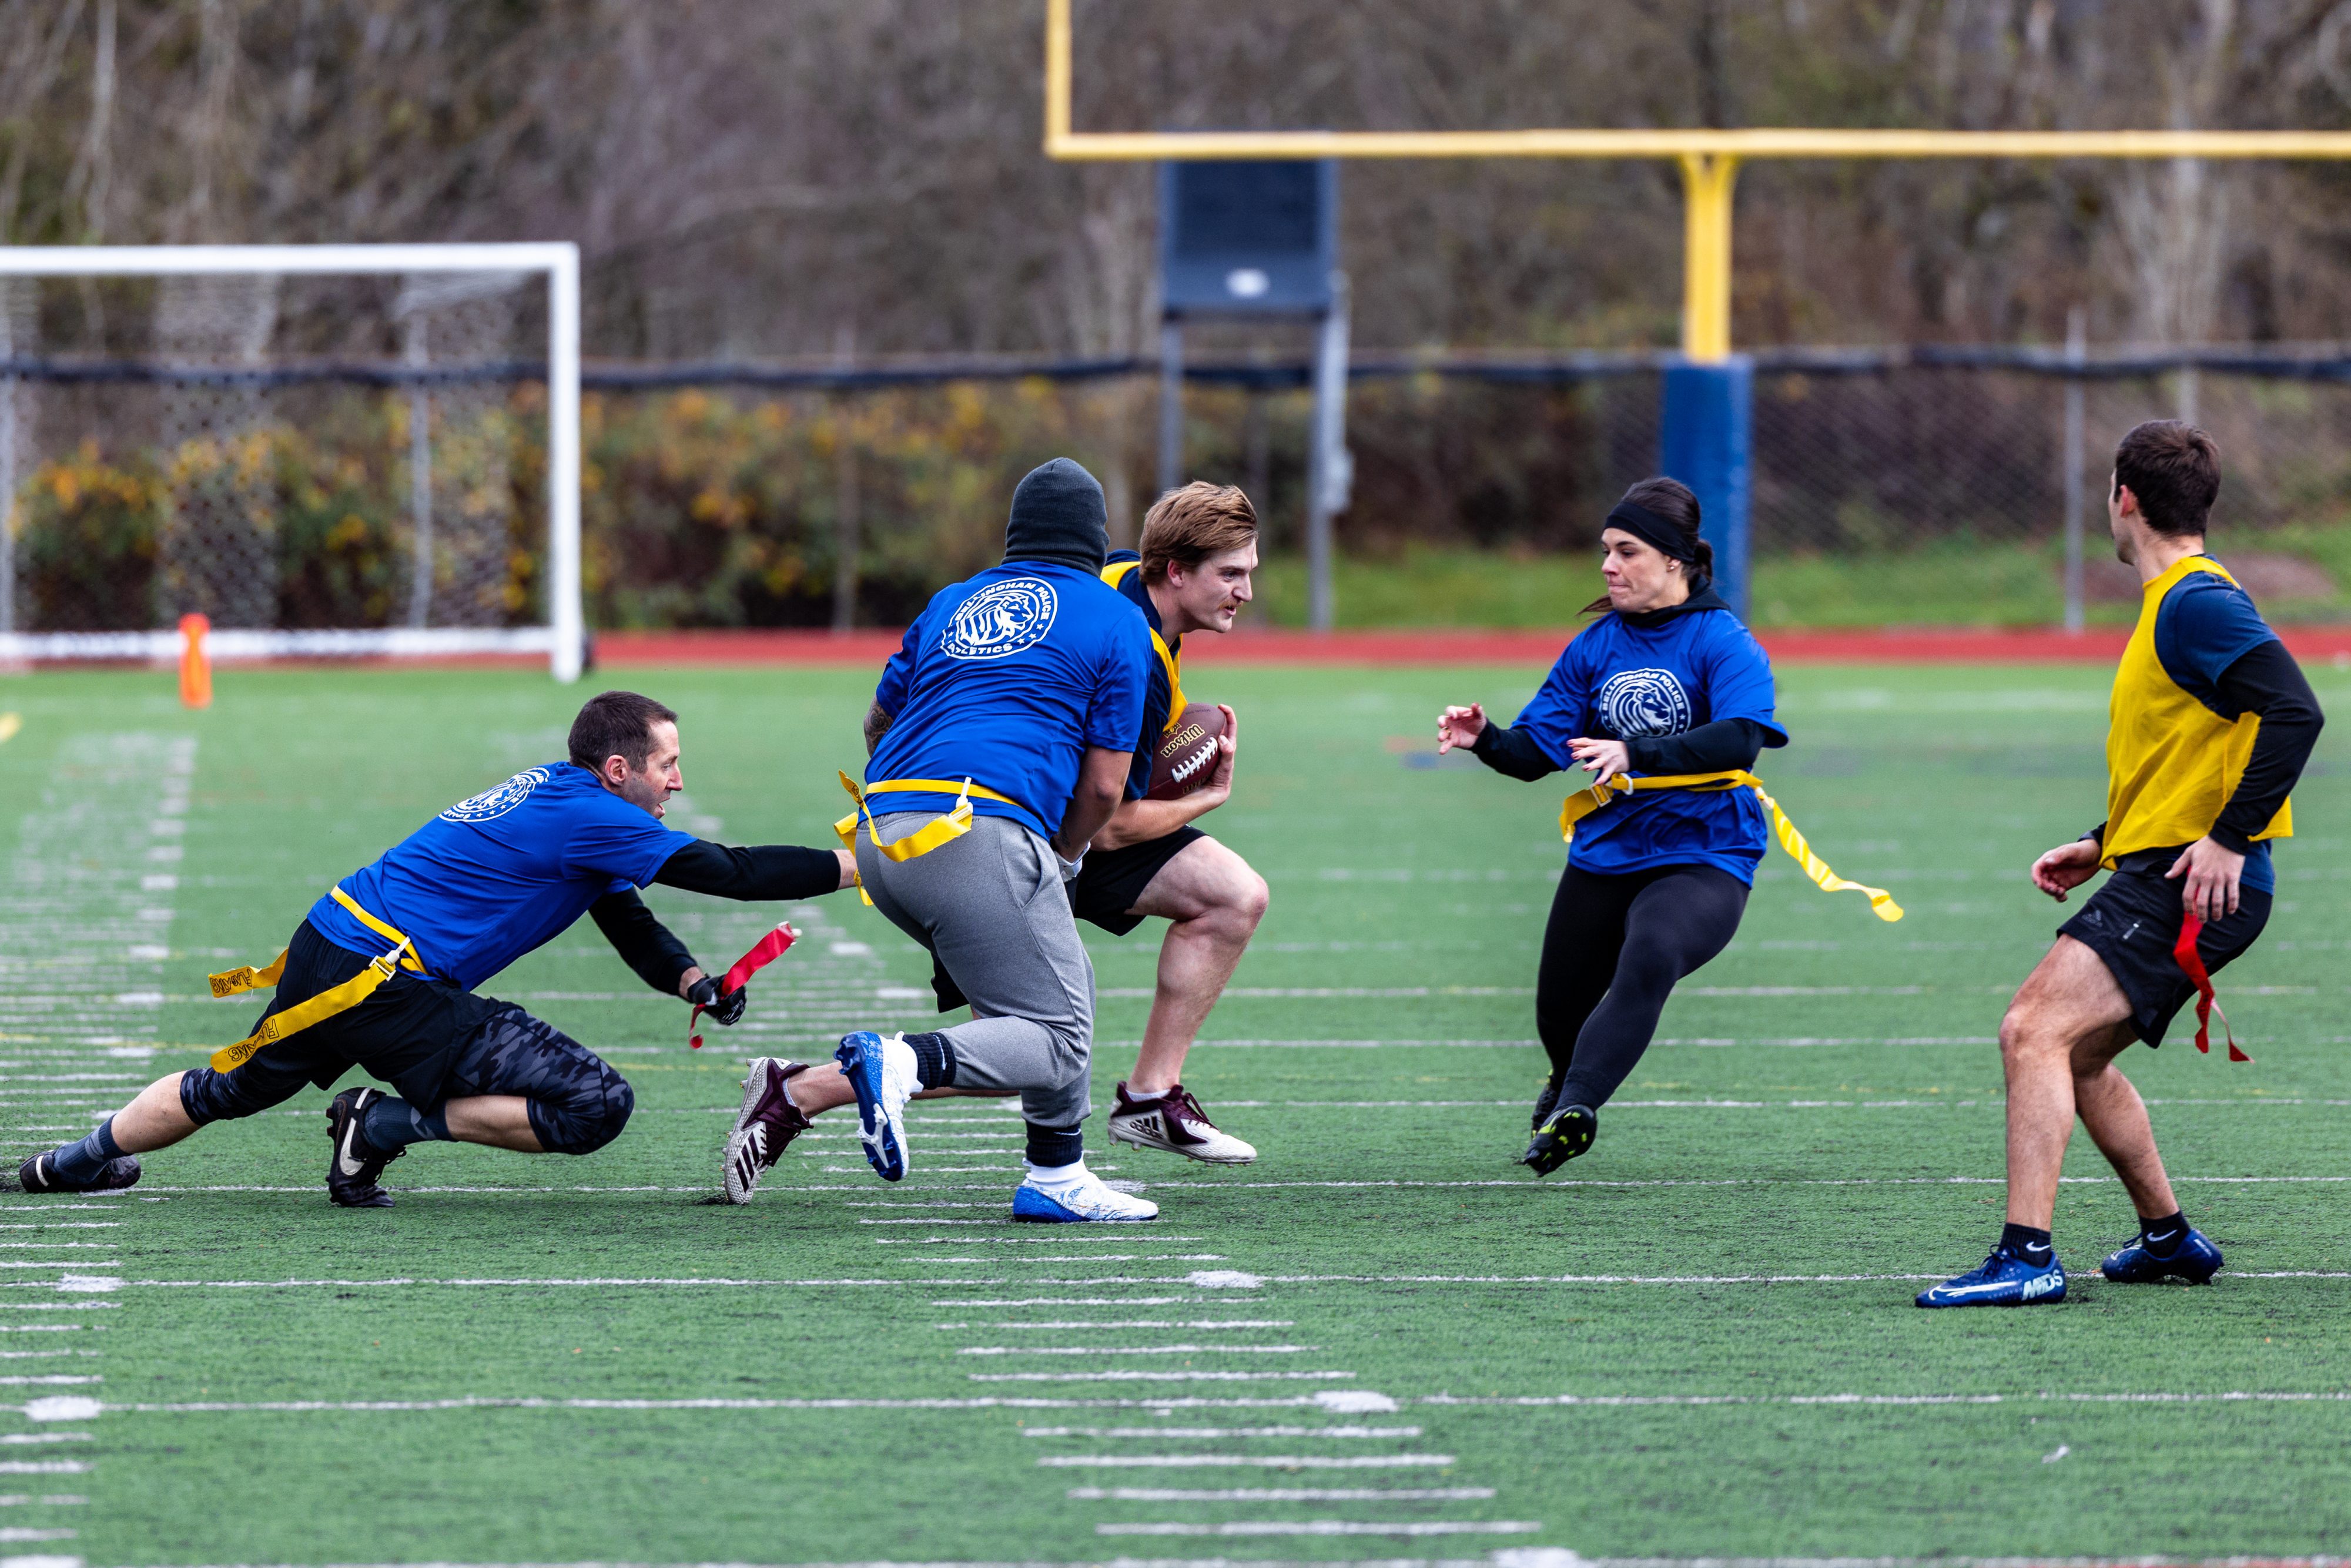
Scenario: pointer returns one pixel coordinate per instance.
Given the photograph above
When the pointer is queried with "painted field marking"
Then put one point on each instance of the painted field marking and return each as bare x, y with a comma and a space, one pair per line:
1244, 1461
43, 1468
1084, 1258
1614, 1401
974, 1240
1125, 1350
1329, 1527
1210, 1432
1071, 1323
1278, 1494
1092, 1301
1323, 1399
1155, 1376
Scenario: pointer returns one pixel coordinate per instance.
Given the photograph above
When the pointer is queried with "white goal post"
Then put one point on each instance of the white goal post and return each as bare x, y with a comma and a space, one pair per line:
561, 631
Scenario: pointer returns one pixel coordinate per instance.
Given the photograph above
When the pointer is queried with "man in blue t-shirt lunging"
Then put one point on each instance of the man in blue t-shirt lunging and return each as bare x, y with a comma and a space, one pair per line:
1003, 731
381, 975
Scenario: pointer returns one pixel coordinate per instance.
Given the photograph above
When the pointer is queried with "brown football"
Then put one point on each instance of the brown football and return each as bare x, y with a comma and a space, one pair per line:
1187, 757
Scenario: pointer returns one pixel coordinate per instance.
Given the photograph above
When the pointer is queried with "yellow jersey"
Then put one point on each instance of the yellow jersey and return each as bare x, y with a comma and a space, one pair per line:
2172, 761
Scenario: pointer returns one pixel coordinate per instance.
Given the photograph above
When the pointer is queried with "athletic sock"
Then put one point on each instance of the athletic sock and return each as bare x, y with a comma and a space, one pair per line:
1057, 1175
2163, 1236
1051, 1148
935, 1060
392, 1125
81, 1160
2032, 1245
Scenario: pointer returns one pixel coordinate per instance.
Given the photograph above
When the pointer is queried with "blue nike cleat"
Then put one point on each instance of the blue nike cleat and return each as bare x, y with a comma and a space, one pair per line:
2195, 1259
2006, 1280
1086, 1200
880, 1071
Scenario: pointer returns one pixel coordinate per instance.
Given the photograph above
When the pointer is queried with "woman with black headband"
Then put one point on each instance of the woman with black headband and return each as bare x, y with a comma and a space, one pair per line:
1666, 682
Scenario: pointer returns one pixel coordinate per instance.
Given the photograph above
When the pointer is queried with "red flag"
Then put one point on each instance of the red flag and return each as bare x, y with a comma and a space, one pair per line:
2191, 963
764, 952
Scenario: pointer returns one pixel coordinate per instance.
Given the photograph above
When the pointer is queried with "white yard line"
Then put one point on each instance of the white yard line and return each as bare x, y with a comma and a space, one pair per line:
1620, 1401
1207, 1433
1156, 1376
1133, 1350
1329, 1527
1138, 1324
1278, 1494
1245, 1461
526, 1402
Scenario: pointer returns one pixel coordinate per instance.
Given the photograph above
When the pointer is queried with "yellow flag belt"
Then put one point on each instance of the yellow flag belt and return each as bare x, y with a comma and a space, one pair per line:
326, 1004
1583, 803
947, 830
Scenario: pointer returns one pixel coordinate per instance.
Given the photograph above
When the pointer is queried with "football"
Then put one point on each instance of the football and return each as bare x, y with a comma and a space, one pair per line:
1187, 757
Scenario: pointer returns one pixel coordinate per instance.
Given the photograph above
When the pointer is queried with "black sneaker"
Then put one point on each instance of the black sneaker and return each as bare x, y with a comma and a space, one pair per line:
352, 1170
37, 1174
1565, 1135
1547, 1099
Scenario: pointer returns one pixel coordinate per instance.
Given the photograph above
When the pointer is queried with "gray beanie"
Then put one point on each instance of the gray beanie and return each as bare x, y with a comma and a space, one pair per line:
1057, 516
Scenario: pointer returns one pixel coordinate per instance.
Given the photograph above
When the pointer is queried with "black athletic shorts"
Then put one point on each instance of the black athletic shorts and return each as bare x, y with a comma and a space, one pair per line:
1104, 892
2132, 924
1112, 880
404, 1035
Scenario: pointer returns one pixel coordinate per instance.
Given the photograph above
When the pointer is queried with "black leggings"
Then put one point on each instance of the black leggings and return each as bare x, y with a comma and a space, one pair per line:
1612, 953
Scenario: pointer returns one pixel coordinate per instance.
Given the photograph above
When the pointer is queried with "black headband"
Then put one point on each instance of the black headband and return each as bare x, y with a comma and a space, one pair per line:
1652, 529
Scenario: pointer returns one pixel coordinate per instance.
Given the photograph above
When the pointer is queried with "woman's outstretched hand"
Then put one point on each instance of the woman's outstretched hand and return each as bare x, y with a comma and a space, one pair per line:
1459, 727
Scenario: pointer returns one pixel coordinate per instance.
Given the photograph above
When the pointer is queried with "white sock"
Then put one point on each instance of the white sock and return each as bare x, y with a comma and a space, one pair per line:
1057, 1175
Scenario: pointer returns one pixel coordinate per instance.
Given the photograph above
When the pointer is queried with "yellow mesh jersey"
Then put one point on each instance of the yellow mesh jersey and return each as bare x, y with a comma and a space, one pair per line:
1170, 660
2171, 762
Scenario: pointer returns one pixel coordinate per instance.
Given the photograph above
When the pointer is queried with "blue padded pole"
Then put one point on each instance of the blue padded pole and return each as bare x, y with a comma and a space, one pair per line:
1707, 443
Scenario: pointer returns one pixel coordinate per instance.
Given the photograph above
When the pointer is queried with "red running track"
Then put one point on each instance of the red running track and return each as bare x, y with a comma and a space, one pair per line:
631, 650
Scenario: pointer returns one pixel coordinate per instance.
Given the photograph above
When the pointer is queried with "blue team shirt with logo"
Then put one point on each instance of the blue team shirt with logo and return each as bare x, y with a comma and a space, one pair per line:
1007, 679
494, 876
1617, 682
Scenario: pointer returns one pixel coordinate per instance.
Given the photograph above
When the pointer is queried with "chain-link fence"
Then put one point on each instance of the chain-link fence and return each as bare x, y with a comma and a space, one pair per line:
394, 476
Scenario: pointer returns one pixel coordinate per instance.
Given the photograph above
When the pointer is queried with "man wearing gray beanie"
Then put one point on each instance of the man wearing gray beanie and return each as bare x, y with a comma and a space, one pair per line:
1002, 734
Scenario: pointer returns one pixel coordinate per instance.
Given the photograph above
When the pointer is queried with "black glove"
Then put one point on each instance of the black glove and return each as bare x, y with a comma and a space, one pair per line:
725, 1009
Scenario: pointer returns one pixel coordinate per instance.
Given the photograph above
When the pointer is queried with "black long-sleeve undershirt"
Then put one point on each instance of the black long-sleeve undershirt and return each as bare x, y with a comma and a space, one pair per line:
1717, 747
757, 873
2266, 681
643, 942
763, 873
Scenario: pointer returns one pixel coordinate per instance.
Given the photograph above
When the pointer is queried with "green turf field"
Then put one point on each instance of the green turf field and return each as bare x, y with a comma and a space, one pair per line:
1384, 1341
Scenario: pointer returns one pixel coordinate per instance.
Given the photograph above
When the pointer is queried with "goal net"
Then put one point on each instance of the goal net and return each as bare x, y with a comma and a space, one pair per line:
327, 451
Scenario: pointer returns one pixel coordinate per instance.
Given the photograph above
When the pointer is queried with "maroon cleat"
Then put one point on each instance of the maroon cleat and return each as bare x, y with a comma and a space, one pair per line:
765, 1128
1174, 1122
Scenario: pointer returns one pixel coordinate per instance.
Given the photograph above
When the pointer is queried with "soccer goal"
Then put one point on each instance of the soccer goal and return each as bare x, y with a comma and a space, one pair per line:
336, 451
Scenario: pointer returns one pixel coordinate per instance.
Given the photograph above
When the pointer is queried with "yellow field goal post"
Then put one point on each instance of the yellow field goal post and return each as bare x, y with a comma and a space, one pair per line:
1713, 451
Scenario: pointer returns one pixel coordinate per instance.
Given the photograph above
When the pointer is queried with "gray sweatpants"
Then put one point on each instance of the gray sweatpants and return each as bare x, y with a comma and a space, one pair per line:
990, 907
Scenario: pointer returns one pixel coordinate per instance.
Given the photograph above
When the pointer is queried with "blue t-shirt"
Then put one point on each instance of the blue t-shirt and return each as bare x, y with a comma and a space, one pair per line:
2205, 624
491, 878
1617, 681
1006, 680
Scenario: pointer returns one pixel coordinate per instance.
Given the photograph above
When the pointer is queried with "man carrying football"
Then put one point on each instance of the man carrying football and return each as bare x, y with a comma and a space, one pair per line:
1199, 546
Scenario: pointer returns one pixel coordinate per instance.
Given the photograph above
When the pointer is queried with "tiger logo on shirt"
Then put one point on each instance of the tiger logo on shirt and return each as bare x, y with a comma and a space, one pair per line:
1645, 701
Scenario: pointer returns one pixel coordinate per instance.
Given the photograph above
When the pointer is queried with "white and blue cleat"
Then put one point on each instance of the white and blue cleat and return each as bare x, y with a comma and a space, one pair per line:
2195, 1259
1089, 1199
2007, 1278
881, 1072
